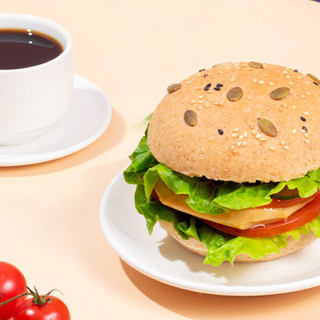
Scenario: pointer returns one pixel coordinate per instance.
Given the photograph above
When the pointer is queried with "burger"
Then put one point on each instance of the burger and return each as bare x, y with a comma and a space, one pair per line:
230, 162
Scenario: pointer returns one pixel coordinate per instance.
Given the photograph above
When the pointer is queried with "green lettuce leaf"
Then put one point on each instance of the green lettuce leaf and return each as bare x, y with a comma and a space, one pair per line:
141, 160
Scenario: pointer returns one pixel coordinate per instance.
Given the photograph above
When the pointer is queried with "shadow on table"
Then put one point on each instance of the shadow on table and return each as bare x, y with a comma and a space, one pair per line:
205, 306
110, 138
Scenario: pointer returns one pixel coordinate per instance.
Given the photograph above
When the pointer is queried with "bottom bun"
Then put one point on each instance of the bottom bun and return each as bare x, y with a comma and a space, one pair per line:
198, 247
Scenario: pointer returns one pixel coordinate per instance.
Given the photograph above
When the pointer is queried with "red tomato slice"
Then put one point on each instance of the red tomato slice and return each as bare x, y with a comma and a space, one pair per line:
299, 218
282, 203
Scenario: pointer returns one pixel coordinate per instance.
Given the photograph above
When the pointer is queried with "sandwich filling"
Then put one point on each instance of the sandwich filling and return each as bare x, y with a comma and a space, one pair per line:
239, 219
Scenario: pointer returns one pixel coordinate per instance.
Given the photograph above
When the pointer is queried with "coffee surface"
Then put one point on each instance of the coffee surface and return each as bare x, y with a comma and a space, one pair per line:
21, 48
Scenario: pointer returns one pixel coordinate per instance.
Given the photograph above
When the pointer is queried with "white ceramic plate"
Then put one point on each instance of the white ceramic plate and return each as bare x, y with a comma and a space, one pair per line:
162, 258
87, 119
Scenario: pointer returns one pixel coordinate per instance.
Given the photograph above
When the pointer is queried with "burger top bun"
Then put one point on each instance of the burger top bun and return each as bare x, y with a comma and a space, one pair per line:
241, 122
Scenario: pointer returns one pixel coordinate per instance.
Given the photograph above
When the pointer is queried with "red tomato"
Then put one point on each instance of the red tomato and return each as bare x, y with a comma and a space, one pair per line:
299, 218
12, 284
53, 309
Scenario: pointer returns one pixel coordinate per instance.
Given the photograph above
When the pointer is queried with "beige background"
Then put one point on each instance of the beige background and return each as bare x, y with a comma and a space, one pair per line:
49, 213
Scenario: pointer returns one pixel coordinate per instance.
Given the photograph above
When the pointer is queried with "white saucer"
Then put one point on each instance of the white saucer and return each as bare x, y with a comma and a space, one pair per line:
87, 119
162, 258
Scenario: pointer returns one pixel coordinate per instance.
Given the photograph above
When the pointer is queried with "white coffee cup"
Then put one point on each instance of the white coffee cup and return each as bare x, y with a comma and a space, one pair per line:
34, 99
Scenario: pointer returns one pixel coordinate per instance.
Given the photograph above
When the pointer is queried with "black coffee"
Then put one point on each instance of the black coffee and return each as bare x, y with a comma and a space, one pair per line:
25, 48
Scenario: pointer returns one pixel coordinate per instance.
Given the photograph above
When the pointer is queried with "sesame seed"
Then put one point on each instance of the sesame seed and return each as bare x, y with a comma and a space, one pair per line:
200, 101
288, 77
293, 107
201, 70
200, 108
220, 131
316, 83
241, 137
206, 88
308, 93
218, 103
262, 139
235, 151
193, 101
303, 119
282, 142
232, 147
254, 80
291, 82
304, 128
306, 113
205, 75
216, 88
239, 143
303, 96
261, 82
245, 134
254, 132
219, 85
244, 143
207, 105
286, 147
234, 135
235, 129
258, 135
284, 71
306, 134
295, 70
188, 82
271, 83
307, 141
294, 131
272, 148
232, 79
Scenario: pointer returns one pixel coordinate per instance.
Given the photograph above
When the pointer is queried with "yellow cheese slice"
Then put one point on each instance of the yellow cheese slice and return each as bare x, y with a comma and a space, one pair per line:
240, 219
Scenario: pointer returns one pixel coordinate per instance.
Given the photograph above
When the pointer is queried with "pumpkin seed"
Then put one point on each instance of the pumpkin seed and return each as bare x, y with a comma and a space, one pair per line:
174, 87
267, 127
235, 94
279, 93
314, 78
190, 117
256, 65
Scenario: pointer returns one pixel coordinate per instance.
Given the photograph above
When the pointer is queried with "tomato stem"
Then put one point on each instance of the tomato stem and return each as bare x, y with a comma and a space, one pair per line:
14, 298
37, 298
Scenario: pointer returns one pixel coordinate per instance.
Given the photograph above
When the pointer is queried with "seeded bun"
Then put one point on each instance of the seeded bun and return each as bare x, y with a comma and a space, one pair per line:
206, 127
198, 247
